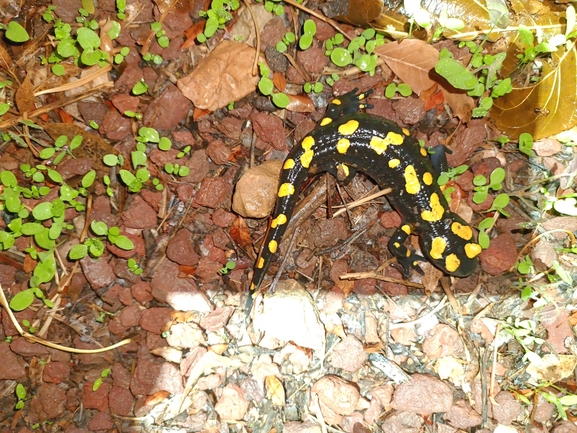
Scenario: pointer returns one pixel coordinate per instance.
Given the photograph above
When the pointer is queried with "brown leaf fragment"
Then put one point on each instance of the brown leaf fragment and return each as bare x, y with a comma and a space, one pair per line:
275, 390
93, 146
225, 75
413, 61
24, 97
5, 59
240, 233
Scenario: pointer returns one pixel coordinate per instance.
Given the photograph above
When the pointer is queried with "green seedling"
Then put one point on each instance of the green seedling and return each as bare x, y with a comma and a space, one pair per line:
392, 89
139, 88
487, 84
309, 31
482, 186
121, 7
95, 246
289, 38
61, 148
523, 331
230, 265
134, 267
121, 55
526, 144
98, 382
21, 395
219, 14
154, 58
332, 79
525, 266
133, 114
176, 170
313, 87
266, 87
358, 53
26, 323
451, 174
160, 34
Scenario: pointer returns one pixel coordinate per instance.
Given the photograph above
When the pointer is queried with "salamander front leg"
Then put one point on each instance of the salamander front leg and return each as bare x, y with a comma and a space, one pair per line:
405, 257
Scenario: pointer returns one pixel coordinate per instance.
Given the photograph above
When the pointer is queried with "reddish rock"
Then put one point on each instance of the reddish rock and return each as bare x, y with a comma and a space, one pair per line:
212, 192
337, 394
21, 346
232, 405
139, 214
406, 422
442, 341
222, 218
124, 102
313, 60
141, 291
167, 110
216, 319
156, 319
120, 401
410, 111
150, 377
130, 316
180, 249
56, 372
506, 408
462, 416
424, 395
180, 293
98, 272
231, 127
349, 354
115, 126
47, 403
218, 152
101, 422
199, 167
95, 399
270, 129
500, 256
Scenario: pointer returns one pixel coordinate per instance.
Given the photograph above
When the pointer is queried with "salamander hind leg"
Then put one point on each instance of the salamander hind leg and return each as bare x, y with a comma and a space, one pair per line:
405, 257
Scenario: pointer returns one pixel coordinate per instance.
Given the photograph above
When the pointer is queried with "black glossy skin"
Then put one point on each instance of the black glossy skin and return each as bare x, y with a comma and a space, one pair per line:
360, 156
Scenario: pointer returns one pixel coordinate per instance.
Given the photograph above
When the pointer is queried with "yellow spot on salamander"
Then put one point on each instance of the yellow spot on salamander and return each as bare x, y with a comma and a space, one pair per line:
272, 246
336, 101
260, 263
412, 184
472, 250
380, 145
343, 145
406, 131
394, 163
286, 189
423, 151
438, 248
307, 157
452, 263
408, 253
278, 221
394, 138
428, 178
288, 164
349, 128
406, 228
436, 212
326, 121
397, 245
464, 232
252, 286
345, 169
308, 142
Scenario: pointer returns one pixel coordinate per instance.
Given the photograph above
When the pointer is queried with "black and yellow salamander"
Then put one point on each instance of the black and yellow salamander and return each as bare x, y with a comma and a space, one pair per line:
347, 141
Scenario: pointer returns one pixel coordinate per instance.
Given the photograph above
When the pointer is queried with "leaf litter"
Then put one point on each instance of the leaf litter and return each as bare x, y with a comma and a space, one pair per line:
320, 351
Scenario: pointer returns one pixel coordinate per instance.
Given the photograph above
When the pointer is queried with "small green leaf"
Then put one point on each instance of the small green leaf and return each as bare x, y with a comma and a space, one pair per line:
110, 160
55, 176
88, 179
8, 179
16, 33
20, 391
266, 86
78, 252
280, 100
99, 228
123, 242
22, 300
456, 74
97, 383
341, 57
42, 211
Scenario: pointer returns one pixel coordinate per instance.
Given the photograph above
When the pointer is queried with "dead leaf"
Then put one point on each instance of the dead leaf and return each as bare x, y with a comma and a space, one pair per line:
275, 390
5, 59
300, 104
224, 76
240, 234
279, 81
24, 97
93, 146
413, 61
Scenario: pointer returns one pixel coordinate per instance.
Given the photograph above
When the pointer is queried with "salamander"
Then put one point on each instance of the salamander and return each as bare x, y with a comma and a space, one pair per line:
346, 141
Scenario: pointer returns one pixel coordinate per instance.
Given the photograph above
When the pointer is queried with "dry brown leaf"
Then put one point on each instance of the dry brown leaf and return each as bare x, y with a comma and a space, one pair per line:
240, 233
24, 97
300, 104
5, 59
93, 146
275, 390
224, 76
413, 61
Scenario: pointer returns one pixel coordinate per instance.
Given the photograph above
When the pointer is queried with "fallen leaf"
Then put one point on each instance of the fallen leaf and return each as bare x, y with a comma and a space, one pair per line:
240, 233
24, 97
5, 59
413, 61
224, 76
275, 390
300, 104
